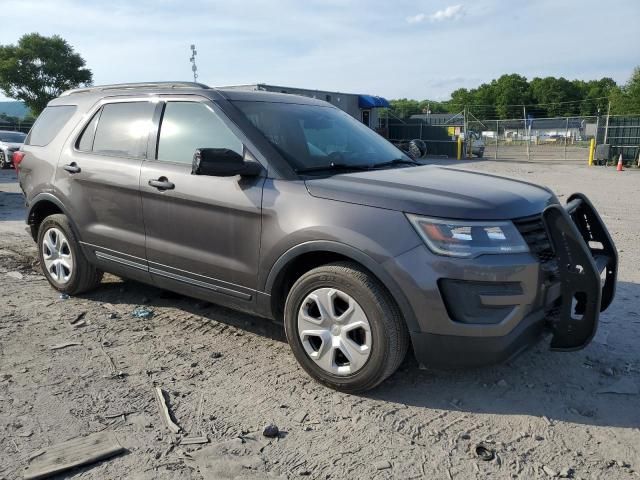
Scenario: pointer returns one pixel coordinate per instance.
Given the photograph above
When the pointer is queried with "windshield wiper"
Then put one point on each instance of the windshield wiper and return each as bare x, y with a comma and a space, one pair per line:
333, 166
396, 161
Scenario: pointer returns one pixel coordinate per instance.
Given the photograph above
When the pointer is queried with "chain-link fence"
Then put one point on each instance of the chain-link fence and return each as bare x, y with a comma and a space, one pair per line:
551, 140
559, 139
16, 126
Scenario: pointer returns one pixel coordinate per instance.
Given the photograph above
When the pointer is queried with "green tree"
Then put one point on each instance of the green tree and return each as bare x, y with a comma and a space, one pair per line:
39, 68
626, 100
552, 96
511, 91
404, 107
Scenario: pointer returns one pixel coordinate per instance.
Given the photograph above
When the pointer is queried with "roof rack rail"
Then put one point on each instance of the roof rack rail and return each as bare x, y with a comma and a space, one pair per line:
131, 86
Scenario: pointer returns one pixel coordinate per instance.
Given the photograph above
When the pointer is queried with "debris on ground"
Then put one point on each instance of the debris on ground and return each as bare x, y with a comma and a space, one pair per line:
271, 430
63, 345
566, 472
485, 453
164, 411
382, 465
114, 368
116, 415
78, 320
301, 416
72, 453
232, 459
142, 312
194, 440
14, 275
549, 471
64, 296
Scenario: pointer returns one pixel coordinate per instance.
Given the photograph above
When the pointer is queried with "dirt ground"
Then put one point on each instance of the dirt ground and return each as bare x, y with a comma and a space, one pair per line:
227, 375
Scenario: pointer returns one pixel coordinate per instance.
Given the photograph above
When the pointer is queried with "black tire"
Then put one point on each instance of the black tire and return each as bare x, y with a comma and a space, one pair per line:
3, 161
390, 339
84, 276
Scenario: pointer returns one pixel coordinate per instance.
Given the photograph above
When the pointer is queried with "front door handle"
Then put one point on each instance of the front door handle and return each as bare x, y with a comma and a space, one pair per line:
72, 167
162, 184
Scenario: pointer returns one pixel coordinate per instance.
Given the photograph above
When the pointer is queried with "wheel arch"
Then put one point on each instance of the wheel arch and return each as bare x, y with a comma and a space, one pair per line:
302, 258
43, 205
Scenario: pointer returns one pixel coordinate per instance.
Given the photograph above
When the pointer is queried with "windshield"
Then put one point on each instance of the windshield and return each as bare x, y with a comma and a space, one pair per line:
311, 137
12, 137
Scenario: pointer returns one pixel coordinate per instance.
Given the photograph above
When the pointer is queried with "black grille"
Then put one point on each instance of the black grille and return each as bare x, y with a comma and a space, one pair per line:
533, 231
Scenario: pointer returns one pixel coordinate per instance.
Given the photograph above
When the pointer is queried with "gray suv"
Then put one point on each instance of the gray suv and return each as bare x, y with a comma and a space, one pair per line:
288, 208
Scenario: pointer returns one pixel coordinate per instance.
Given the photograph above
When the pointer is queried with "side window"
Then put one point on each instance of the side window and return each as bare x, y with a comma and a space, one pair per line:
85, 142
187, 126
123, 129
48, 124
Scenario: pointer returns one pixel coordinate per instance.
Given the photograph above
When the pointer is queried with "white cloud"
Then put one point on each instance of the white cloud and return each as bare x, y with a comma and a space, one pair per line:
452, 12
416, 18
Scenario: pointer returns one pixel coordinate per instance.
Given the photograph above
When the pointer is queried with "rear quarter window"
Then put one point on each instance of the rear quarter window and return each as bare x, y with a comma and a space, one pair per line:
48, 124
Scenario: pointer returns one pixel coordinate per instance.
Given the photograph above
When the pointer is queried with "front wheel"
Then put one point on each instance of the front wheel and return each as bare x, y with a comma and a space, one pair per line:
343, 327
4, 163
61, 258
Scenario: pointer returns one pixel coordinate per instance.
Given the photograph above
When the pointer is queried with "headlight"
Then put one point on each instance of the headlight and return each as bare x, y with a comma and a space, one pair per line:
459, 238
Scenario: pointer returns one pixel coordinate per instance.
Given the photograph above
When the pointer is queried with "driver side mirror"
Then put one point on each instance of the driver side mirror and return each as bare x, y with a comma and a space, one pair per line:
222, 162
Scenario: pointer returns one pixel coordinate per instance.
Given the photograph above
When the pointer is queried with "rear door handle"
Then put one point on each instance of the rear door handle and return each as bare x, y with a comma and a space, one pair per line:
162, 184
72, 167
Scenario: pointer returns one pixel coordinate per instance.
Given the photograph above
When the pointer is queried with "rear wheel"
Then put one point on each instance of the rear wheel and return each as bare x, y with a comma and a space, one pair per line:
344, 328
61, 258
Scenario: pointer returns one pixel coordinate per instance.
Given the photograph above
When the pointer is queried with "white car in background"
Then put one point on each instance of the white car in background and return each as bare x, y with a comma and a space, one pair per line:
477, 143
9, 143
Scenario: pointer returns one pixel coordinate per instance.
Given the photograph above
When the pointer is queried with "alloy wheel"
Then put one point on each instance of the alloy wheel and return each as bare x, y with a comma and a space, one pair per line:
57, 256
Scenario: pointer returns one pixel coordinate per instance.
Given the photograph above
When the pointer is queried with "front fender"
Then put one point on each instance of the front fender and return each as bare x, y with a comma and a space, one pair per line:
352, 253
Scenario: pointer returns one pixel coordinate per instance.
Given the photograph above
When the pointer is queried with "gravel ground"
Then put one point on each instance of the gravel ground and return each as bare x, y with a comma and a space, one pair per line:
227, 375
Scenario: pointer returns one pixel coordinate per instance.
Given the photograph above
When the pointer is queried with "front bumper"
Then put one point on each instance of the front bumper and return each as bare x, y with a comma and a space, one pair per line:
495, 306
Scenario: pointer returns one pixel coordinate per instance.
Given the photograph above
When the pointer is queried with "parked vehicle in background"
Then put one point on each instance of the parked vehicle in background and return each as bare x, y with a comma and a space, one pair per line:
477, 143
289, 208
9, 142
415, 148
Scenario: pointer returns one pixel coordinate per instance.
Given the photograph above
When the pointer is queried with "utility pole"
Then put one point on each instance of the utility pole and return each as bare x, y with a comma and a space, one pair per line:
194, 67
466, 131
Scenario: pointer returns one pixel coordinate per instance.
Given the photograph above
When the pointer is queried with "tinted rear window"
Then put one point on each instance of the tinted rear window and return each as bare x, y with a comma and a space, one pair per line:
48, 124
123, 129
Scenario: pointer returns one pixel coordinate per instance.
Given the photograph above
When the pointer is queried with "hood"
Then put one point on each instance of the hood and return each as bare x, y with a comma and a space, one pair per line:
437, 192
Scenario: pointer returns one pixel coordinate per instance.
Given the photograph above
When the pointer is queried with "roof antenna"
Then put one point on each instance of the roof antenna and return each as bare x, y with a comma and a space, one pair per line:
194, 67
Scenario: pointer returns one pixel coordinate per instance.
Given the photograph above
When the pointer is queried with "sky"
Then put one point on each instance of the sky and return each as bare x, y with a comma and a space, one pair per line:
399, 48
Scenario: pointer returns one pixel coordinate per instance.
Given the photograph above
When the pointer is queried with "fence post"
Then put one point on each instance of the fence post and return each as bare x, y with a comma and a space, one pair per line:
497, 133
566, 138
592, 149
528, 137
606, 126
